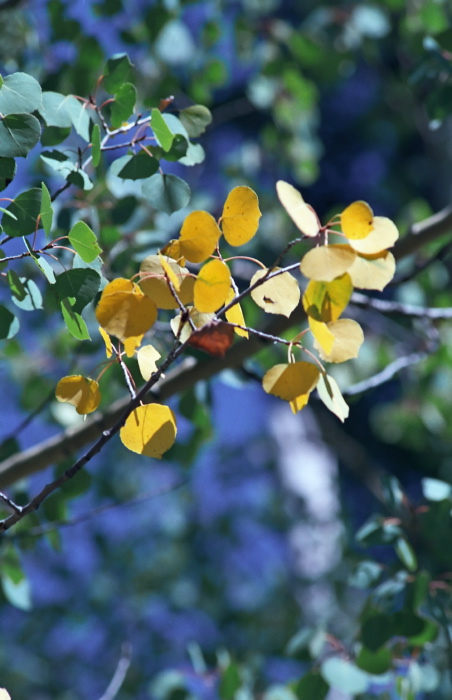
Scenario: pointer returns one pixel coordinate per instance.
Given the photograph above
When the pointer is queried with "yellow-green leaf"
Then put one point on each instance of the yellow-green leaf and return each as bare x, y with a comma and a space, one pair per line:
81, 392
124, 311
154, 282
325, 301
150, 430
290, 381
212, 286
280, 294
301, 213
199, 236
241, 214
198, 319
147, 357
357, 220
322, 334
383, 235
348, 338
235, 315
327, 262
331, 396
373, 271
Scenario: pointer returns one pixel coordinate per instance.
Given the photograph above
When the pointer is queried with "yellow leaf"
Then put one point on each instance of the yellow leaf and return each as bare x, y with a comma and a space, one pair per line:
357, 221
81, 392
383, 235
278, 295
290, 381
212, 286
327, 262
331, 396
107, 340
124, 311
172, 250
325, 301
198, 319
241, 214
322, 334
299, 403
373, 271
199, 236
132, 343
147, 357
150, 430
348, 338
154, 283
235, 315
169, 273
301, 213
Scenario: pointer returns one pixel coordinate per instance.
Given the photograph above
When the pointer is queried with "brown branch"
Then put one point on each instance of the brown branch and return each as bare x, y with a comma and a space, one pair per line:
424, 232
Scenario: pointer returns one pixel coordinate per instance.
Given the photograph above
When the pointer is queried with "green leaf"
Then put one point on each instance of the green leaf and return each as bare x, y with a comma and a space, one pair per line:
344, 676
195, 119
375, 662
19, 133
84, 241
406, 554
161, 130
312, 685
9, 324
29, 297
65, 111
26, 208
166, 193
117, 72
19, 94
376, 631
81, 284
54, 135
195, 155
44, 266
7, 171
80, 179
46, 212
230, 682
74, 322
407, 624
95, 145
139, 166
16, 286
124, 104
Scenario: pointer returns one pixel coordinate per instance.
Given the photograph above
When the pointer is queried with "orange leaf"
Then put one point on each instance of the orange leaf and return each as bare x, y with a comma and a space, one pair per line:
215, 338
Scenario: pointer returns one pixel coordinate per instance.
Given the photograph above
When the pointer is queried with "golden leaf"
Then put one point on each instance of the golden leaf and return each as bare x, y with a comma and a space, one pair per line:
348, 338
81, 392
107, 340
154, 283
212, 286
278, 295
325, 301
199, 236
322, 334
235, 315
150, 430
290, 381
383, 235
124, 311
373, 271
301, 213
241, 214
357, 220
327, 262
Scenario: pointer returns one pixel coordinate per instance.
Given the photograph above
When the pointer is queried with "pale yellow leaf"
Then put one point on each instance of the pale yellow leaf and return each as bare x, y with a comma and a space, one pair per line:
108, 346
81, 392
383, 235
212, 286
348, 338
198, 319
147, 357
290, 381
325, 301
199, 236
170, 273
373, 271
132, 343
278, 295
235, 315
331, 396
327, 262
4, 695
301, 213
241, 214
150, 430
357, 221
322, 334
124, 311
154, 283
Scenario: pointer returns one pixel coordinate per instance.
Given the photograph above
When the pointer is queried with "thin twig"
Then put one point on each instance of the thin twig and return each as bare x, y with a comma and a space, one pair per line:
395, 307
386, 374
121, 671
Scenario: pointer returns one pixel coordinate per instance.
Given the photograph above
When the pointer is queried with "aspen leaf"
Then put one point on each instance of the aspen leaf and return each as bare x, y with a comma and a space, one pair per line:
290, 381
214, 338
172, 250
327, 262
235, 315
198, 319
154, 282
278, 295
241, 214
357, 221
299, 403
212, 286
301, 213
348, 338
331, 396
322, 334
81, 392
169, 273
199, 236
131, 343
147, 357
325, 301
383, 235
107, 340
150, 430
124, 311
373, 271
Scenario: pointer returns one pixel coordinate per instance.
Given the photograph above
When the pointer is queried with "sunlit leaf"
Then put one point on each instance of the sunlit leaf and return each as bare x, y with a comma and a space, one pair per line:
322, 334
132, 343
241, 214
172, 250
161, 130
348, 338
123, 105
150, 430
301, 213
199, 236
325, 301
290, 381
116, 72
154, 283
147, 357
212, 286
124, 311
357, 221
81, 392
373, 271
278, 295
74, 322
327, 262
331, 396
383, 235
107, 340
182, 328
84, 241
170, 274
235, 315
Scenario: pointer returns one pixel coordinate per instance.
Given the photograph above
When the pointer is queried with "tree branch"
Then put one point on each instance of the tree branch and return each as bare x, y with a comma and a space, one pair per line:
424, 232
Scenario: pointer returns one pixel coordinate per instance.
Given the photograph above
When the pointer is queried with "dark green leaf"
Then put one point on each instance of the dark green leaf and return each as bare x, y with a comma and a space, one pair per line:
376, 631
195, 119
19, 133
32, 298
79, 284
7, 171
407, 624
139, 166
74, 322
10, 564
312, 685
54, 135
80, 179
166, 193
124, 104
9, 324
46, 212
84, 241
417, 590
428, 634
95, 145
19, 94
375, 662
117, 72
59, 161
26, 208
16, 286
161, 130
230, 682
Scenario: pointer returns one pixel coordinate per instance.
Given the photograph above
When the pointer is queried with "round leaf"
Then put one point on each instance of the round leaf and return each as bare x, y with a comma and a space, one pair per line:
301, 213
19, 93
154, 283
84, 242
147, 357
25, 208
124, 311
288, 381
325, 301
357, 221
212, 286
327, 262
81, 392
19, 133
150, 430
167, 193
383, 235
241, 214
280, 294
372, 271
348, 338
322, 334
199, 236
